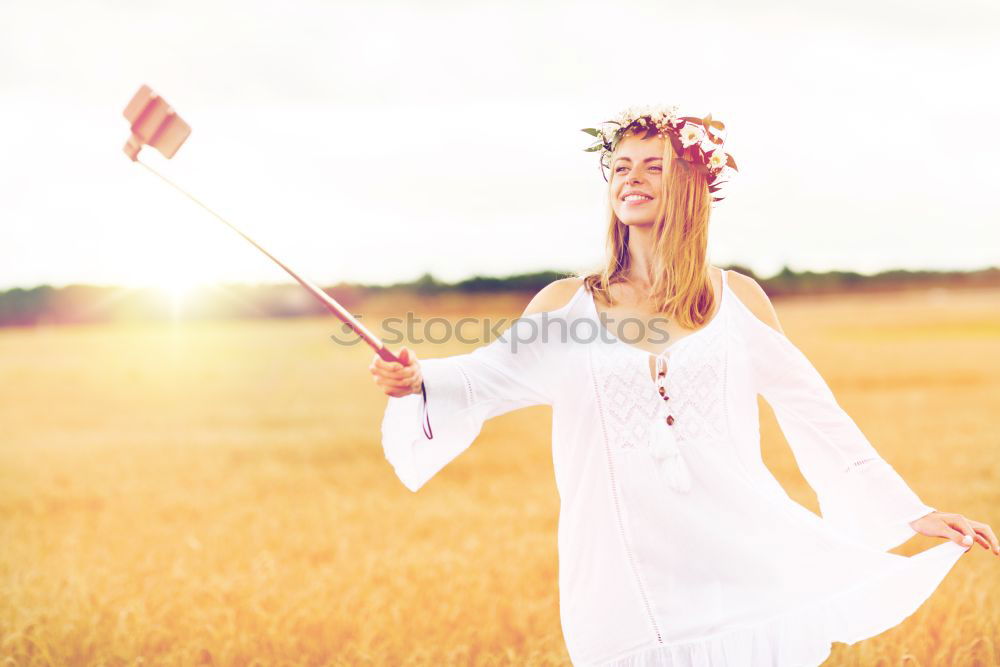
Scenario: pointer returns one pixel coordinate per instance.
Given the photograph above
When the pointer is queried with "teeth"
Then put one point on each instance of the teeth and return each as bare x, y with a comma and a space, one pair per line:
637, 198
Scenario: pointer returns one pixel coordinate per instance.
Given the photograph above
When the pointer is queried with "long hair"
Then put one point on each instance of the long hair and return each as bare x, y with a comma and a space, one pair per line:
681, 286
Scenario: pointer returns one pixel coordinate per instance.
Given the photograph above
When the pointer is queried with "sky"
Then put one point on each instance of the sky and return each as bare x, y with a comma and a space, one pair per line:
372, 142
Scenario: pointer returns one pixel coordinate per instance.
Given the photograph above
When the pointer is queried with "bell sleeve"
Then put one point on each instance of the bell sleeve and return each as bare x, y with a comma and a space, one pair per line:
859, 492
421, 433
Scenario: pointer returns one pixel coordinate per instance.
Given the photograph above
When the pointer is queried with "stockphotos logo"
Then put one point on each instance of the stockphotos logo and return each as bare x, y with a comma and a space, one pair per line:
544, 326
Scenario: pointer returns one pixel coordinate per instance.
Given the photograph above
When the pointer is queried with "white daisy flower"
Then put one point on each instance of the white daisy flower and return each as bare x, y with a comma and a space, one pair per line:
667, 112
626, 116
691, 134
718, 159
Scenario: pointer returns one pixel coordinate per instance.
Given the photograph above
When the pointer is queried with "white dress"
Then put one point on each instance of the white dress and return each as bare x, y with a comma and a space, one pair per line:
725, 569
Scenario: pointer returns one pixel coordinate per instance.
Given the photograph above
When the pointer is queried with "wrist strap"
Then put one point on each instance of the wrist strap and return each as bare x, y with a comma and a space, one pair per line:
425, 417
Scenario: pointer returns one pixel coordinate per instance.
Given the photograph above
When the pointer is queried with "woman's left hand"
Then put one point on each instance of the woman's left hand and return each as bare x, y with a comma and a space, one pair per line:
958, 529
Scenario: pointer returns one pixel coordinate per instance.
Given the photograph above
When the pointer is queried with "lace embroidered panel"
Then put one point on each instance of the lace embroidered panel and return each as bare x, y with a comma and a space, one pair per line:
695, 383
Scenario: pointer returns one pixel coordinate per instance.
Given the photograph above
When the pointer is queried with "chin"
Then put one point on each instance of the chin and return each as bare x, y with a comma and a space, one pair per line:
637, 218
635, 222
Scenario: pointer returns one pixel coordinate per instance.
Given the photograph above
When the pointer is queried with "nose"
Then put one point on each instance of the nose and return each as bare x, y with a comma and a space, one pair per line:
631, 176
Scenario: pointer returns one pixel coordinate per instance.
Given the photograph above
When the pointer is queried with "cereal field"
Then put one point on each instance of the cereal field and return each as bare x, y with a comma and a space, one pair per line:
216, 493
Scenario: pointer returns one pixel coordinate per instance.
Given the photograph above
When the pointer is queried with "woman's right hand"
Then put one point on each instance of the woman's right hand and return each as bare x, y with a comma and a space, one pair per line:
398, 379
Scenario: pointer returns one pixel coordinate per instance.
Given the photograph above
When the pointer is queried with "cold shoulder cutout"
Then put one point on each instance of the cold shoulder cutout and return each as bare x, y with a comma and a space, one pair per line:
554, 296
754, 299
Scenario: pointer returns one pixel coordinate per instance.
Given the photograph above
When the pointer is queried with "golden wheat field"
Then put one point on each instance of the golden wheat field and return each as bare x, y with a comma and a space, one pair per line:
216, 493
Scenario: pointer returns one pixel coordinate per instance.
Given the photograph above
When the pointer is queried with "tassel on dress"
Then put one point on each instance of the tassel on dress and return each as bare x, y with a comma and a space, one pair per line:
663, 443
665, 450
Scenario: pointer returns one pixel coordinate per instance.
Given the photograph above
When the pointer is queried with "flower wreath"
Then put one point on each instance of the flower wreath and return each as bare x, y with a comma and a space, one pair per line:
692, 138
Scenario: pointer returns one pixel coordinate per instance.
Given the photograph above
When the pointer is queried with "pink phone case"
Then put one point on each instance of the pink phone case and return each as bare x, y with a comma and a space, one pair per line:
154, 123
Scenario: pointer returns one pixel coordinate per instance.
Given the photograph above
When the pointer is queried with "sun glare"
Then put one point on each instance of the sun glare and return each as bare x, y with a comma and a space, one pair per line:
177, 288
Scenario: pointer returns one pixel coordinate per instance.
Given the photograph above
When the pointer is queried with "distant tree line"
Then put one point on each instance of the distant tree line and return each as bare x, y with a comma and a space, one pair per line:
76, 304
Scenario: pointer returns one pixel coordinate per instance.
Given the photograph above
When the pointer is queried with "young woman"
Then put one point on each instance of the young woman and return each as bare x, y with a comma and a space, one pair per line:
676, 544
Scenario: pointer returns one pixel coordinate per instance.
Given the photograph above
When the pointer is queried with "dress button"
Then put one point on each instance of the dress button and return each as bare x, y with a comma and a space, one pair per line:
670, 420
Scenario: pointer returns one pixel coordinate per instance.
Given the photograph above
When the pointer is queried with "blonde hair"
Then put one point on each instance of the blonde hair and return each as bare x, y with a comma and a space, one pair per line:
681, 285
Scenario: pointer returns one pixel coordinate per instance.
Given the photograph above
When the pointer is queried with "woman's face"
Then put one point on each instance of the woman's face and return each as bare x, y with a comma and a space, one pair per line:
637, 169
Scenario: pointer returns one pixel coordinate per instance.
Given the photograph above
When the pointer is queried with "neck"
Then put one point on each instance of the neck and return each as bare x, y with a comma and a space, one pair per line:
640, 248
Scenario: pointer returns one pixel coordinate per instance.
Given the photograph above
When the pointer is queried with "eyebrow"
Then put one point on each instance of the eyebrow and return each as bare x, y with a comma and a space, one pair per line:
649, 159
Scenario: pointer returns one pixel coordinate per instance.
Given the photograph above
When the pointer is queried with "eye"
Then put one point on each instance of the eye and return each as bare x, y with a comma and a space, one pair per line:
656, 167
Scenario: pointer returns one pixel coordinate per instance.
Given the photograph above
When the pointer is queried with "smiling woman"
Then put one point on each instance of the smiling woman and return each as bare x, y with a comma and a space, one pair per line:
677, 546
659, 208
